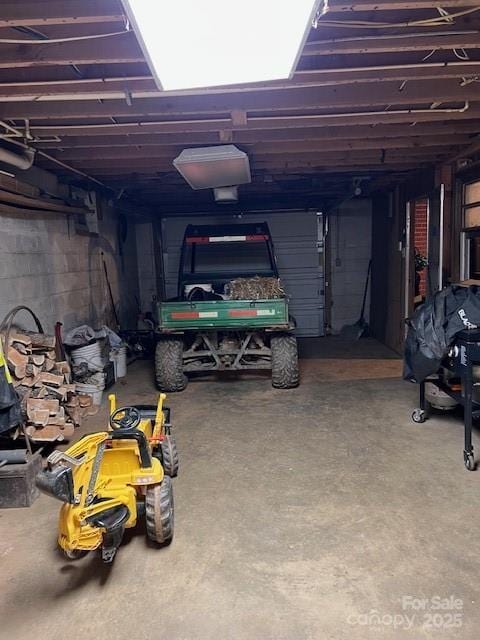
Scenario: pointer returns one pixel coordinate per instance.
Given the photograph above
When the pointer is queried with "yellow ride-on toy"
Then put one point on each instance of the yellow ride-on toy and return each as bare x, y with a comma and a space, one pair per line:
108, 480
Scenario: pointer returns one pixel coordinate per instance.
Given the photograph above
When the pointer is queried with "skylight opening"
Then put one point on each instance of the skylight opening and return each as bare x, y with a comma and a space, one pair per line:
193, 44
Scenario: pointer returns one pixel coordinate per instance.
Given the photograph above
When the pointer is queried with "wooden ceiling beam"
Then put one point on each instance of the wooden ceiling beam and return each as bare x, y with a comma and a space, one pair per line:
338, 97
22, 14
117, 49
394, 44
257, 136
124, 48
335, 6
142, 87
263, 123
134, 178
267, 161
320, 146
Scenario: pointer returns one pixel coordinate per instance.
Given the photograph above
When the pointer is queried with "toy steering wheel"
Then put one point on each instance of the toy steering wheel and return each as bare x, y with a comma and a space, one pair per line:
125, 418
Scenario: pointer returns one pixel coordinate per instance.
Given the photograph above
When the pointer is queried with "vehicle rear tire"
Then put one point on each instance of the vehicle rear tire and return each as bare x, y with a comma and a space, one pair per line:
159, 511
169, 364
168, 447
285, 374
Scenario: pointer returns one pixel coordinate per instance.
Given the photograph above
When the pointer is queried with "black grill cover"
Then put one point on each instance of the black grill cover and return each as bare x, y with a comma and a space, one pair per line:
433, 327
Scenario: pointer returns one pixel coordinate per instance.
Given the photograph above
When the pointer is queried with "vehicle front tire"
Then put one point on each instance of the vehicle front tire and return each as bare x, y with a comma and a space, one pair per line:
159, 511
168, 447
285, 372
169, 364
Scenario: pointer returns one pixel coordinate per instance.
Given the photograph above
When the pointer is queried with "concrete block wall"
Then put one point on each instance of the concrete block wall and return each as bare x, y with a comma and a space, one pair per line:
146, 266
46, 265
350, 250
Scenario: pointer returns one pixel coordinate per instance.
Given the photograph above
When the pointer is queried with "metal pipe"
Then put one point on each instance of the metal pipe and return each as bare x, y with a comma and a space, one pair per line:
12, 130
20, 161
45, 155
13, 456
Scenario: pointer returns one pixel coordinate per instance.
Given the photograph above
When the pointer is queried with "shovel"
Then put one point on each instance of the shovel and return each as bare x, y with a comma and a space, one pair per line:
357, 330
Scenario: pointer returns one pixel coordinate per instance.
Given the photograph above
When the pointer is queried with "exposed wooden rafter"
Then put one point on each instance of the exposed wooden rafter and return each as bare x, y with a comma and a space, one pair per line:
20, 14
396, 5
366, 99
276, 100
394, 43
142, 87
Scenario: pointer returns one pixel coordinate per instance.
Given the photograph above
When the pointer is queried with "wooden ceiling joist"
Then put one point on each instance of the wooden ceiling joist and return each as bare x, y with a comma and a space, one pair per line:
277, 100
118, 49
366, 99
260, 148
396, 5
22, 14
394, 44
297, 159
255, 123
117, 88
257, 136
124, 49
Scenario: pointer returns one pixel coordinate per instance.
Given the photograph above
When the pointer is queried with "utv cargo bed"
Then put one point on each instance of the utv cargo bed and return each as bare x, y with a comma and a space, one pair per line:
223, 314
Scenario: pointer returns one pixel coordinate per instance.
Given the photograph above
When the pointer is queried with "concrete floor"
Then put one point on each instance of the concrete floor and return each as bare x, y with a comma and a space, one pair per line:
301, 514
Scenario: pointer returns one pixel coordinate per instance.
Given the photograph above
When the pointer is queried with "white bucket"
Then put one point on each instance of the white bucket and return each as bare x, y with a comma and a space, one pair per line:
91, 355
121, 363
96, 391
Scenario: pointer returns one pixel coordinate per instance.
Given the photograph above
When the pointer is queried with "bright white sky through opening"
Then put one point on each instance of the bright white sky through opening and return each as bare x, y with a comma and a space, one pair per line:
204, 43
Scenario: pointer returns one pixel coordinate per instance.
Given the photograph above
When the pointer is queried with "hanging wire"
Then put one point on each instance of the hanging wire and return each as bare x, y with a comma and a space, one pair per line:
94, 36
445, 14
463, 55
365, 24
429, 55
466, 81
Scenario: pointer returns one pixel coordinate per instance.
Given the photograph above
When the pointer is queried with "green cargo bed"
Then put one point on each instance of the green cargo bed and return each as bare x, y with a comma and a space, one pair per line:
223, 314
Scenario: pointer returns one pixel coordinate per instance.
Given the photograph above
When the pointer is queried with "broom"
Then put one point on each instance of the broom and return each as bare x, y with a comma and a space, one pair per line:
356, 331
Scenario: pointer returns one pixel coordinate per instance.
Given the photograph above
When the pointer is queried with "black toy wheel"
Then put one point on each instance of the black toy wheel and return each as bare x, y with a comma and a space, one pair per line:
168, 448
419, 416
159, 511
469, 461
74, 554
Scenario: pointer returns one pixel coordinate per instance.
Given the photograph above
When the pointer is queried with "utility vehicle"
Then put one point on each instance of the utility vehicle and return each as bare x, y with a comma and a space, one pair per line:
204, 329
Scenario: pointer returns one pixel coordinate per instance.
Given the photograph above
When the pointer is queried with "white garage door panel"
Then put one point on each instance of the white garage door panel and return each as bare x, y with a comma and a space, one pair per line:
294, 235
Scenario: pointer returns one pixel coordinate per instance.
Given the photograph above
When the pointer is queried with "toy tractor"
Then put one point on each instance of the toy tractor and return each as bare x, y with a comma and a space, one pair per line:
108, 480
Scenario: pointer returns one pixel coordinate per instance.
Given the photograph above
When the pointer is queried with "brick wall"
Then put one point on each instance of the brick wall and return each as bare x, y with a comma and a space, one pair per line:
420, 235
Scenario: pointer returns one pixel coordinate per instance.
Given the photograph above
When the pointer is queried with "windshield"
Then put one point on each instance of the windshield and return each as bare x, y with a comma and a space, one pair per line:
228, 258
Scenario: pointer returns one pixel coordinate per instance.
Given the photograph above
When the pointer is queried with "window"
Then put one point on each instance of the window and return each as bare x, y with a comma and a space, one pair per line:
471, 205
474, 256
229, 258
470, 257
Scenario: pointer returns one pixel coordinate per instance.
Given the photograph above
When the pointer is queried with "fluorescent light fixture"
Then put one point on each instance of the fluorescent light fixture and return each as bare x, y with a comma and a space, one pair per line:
204, 43
212, 167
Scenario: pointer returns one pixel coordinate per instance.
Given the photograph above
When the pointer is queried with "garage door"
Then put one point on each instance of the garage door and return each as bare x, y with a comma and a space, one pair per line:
298, 240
